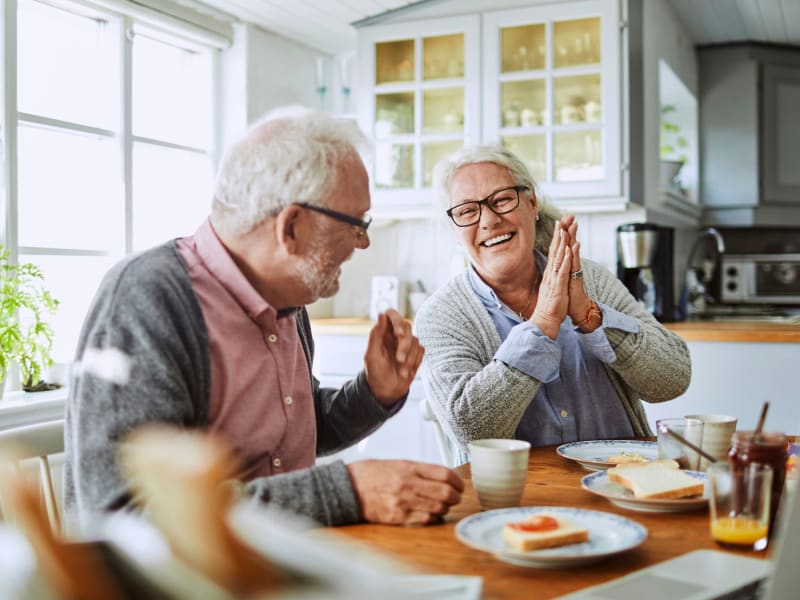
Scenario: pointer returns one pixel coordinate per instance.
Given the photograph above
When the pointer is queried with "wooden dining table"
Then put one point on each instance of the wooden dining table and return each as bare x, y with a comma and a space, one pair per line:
552, 481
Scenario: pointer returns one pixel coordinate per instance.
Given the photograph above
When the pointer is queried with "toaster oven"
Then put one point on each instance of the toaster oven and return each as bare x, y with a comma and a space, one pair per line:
760, 278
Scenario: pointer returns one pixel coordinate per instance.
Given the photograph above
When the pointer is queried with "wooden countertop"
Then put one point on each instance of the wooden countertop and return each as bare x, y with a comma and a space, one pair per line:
342, 326
736, 331
693, 331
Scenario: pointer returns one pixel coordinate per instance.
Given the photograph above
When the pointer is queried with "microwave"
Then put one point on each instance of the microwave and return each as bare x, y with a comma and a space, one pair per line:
760, 278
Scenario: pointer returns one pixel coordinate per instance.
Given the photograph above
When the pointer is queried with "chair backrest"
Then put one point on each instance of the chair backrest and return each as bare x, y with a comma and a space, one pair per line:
446, 448
37, 442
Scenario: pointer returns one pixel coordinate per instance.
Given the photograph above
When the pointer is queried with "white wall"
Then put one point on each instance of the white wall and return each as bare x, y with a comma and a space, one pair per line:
262, 71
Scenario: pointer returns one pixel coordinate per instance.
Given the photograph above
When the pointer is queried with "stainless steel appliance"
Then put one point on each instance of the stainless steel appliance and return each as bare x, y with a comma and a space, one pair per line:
760, 279
644, 265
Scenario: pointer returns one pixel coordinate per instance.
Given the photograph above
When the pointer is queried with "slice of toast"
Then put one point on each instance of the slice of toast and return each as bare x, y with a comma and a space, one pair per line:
657, 480
565, 533
627, 457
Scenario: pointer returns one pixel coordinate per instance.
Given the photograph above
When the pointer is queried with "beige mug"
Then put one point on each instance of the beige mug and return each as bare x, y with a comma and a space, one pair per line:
717, 432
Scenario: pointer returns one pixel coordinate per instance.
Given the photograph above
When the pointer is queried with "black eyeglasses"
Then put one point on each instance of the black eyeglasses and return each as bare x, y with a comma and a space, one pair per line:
499, 202
362, 225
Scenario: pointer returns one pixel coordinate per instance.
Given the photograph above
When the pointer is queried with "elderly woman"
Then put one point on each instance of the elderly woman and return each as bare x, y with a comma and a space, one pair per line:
548, 348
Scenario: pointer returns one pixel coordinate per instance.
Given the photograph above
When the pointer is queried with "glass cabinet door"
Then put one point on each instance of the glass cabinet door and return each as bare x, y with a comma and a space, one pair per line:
420, 102
551, 94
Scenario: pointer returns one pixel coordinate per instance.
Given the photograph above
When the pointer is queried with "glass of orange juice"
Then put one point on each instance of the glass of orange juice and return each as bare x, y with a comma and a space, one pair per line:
739, 504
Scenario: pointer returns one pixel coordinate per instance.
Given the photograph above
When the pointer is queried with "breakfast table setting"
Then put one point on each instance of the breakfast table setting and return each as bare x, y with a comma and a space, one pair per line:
626, 533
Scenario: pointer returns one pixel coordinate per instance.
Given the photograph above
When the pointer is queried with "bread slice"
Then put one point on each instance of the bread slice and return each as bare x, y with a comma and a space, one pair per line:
660, 479
627, 457
565, 533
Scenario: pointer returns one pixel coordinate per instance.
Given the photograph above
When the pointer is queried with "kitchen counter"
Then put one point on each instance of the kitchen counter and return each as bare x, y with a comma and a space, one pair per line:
343, 326
736, 331
696, 331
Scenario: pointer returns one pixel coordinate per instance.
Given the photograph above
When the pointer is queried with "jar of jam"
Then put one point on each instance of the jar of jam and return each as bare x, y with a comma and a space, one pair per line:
764, 448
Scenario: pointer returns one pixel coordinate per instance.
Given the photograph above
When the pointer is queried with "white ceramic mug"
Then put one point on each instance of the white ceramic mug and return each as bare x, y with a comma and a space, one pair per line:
499, 469
717, 432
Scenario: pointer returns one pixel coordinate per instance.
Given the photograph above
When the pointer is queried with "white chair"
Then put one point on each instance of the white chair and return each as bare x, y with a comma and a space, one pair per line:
446, 447
37, 442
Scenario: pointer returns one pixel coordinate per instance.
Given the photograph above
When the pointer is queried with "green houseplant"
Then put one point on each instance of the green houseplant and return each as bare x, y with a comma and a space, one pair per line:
672, 148
26, 338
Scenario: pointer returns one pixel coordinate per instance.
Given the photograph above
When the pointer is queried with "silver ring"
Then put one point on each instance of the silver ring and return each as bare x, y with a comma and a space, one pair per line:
577, 274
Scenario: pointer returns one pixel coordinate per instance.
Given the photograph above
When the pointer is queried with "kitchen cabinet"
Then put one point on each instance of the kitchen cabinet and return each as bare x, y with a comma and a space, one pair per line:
338, 358
544, 81
750, 134
781, 129
418, 100
551, 93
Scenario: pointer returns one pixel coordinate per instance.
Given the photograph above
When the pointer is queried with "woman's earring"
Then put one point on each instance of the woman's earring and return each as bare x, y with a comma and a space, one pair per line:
537, 217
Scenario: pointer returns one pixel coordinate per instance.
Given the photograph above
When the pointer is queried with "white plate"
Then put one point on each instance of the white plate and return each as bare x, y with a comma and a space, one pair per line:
594, 455
598, 483
608, 534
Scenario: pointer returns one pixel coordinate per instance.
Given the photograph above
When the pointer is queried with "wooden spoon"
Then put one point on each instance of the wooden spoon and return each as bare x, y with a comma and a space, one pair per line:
761, 419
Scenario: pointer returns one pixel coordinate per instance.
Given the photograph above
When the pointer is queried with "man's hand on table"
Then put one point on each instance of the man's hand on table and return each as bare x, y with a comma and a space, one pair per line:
401, 492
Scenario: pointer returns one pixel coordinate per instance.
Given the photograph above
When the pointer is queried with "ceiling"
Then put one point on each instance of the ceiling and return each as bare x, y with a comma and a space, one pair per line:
326, 24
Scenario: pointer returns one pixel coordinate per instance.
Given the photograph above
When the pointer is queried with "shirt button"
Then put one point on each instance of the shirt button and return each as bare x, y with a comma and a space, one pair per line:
564, 413
272, 338
276, 462
288, 400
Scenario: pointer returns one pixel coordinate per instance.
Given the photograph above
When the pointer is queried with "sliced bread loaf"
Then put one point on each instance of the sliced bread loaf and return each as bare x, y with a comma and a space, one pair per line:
660, 479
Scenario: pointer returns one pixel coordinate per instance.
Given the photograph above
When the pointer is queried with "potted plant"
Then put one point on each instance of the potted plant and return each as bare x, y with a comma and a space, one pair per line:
672, 148
26, 338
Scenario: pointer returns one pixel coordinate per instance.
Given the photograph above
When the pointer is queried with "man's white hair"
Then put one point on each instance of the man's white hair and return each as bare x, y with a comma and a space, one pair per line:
293, 154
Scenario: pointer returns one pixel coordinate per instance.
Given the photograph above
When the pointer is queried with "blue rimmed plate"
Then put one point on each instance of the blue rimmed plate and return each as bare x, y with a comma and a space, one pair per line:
593, 455
598, 483
609, 534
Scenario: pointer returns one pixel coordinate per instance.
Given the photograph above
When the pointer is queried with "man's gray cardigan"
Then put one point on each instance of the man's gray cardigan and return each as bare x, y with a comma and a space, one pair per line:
147, 316
474, 396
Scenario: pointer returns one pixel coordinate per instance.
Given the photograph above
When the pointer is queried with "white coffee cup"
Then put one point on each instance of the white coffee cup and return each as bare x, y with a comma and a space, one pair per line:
499, 469
717, 432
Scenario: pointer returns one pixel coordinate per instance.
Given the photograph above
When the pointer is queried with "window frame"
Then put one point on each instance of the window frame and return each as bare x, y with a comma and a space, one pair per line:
133, 20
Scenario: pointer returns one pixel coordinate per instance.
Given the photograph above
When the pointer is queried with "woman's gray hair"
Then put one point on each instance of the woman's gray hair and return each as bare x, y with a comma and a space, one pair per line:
446, 168
293, 154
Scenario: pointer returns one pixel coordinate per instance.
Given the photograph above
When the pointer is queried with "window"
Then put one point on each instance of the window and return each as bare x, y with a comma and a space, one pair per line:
110, 127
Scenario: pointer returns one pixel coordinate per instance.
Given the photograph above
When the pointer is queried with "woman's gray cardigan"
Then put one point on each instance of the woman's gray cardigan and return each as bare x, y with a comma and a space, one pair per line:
474, 396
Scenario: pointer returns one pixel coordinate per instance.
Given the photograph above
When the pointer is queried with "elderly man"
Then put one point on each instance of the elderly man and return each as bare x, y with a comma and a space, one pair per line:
209, 332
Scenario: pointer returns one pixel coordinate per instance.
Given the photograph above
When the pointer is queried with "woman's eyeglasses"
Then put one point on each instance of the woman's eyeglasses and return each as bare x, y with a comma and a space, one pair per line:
499, 202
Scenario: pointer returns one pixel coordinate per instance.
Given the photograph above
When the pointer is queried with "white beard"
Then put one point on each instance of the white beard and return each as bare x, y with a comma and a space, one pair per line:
320, 277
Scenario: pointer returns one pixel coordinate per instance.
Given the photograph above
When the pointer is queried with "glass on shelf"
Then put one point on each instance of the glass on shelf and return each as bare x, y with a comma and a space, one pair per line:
576, 42
394, 114
432, 152
443, 57
578, 155
577, 99
523, 103
532, 149
394, 61
394, 165
443, 110
523, 48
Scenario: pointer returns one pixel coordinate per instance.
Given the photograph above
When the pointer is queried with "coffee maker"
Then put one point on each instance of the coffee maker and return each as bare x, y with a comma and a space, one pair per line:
644, 265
